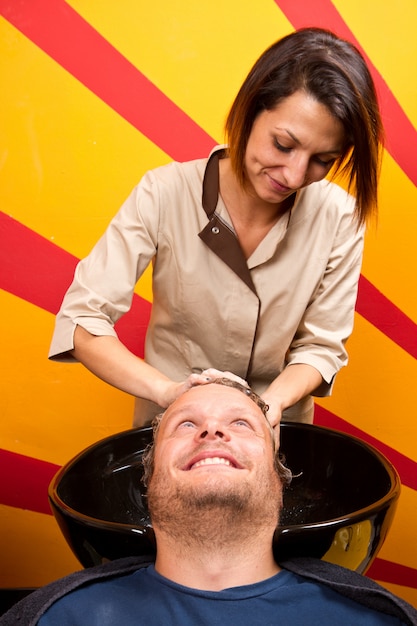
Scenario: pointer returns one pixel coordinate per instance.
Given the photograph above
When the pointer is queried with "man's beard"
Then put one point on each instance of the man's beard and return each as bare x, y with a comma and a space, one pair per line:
216, 511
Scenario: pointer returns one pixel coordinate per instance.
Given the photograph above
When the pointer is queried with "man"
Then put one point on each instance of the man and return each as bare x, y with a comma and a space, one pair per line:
214, 494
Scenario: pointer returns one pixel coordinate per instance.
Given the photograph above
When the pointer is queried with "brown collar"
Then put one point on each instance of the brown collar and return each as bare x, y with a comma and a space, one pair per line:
217, 235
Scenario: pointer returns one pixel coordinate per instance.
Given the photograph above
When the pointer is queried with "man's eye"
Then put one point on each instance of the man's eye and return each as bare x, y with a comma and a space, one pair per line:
186, 424
241, 422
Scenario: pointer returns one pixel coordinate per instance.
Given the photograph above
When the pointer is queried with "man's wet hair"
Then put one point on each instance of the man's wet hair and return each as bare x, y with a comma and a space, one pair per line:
228, 382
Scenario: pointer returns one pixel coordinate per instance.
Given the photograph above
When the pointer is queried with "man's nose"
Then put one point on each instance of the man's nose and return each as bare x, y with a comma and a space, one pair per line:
211, 430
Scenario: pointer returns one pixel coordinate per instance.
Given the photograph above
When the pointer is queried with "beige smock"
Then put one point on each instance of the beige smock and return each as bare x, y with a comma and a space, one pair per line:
291, 302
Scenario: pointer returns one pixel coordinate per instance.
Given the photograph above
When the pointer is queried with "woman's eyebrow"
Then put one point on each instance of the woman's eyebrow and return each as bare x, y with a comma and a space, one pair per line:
293, 137
298, 142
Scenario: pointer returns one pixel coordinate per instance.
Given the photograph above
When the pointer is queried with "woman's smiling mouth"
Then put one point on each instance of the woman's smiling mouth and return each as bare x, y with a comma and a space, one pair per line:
278, 186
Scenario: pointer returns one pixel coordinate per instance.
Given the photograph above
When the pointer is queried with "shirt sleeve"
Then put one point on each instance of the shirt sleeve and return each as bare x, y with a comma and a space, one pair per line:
104, 282
320, 340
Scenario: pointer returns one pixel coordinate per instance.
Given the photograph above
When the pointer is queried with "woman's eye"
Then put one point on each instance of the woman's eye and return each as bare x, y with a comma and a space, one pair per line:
323, 162
281, 148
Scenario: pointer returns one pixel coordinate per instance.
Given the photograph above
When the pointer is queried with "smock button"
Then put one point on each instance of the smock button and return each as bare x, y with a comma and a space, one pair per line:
215, 230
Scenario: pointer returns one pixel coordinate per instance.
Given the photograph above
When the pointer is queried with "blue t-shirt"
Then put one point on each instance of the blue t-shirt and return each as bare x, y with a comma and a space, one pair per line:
147, 598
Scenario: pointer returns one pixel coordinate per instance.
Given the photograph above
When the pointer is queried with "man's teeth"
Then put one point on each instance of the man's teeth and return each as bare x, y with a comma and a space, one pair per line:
213, 460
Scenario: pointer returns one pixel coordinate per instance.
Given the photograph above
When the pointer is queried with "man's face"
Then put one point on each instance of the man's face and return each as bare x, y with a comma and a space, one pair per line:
213, 449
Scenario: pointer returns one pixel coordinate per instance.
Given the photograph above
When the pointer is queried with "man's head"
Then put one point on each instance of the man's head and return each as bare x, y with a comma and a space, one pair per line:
283, 472
213, 464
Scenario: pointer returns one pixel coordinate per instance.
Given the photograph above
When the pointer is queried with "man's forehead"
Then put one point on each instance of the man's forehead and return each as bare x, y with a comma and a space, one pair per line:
213, 400
215, 393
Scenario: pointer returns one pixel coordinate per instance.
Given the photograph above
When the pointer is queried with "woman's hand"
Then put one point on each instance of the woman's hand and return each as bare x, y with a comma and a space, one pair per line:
173, 390
294, 383
211, 374
274, 413
111, 361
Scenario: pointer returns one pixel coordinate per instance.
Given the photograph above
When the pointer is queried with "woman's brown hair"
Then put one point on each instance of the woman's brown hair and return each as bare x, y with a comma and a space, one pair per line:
333, 72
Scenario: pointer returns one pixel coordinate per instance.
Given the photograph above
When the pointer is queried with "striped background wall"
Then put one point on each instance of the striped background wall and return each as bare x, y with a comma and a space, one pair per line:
93, 95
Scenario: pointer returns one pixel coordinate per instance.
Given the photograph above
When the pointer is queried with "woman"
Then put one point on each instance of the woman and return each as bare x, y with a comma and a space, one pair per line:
256, 258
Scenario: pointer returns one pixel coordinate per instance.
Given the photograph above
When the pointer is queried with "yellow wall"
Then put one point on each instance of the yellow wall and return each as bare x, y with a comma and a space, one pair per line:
68, 160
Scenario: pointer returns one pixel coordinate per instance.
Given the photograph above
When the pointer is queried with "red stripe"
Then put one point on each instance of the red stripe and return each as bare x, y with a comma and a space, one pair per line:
394, 573
64, 35
31, 267
388, 318
406, 467
26, 485
173, 131
401, 135
38, 271
91, 47
15, 466
176, 134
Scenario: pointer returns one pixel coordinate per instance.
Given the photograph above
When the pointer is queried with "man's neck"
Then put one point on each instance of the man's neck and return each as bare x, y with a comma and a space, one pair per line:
215, 566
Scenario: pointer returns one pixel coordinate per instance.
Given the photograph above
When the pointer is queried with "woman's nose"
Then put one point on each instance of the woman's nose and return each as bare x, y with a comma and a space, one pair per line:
296, 174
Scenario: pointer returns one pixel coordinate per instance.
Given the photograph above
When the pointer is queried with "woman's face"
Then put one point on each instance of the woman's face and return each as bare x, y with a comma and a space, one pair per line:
291, 146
